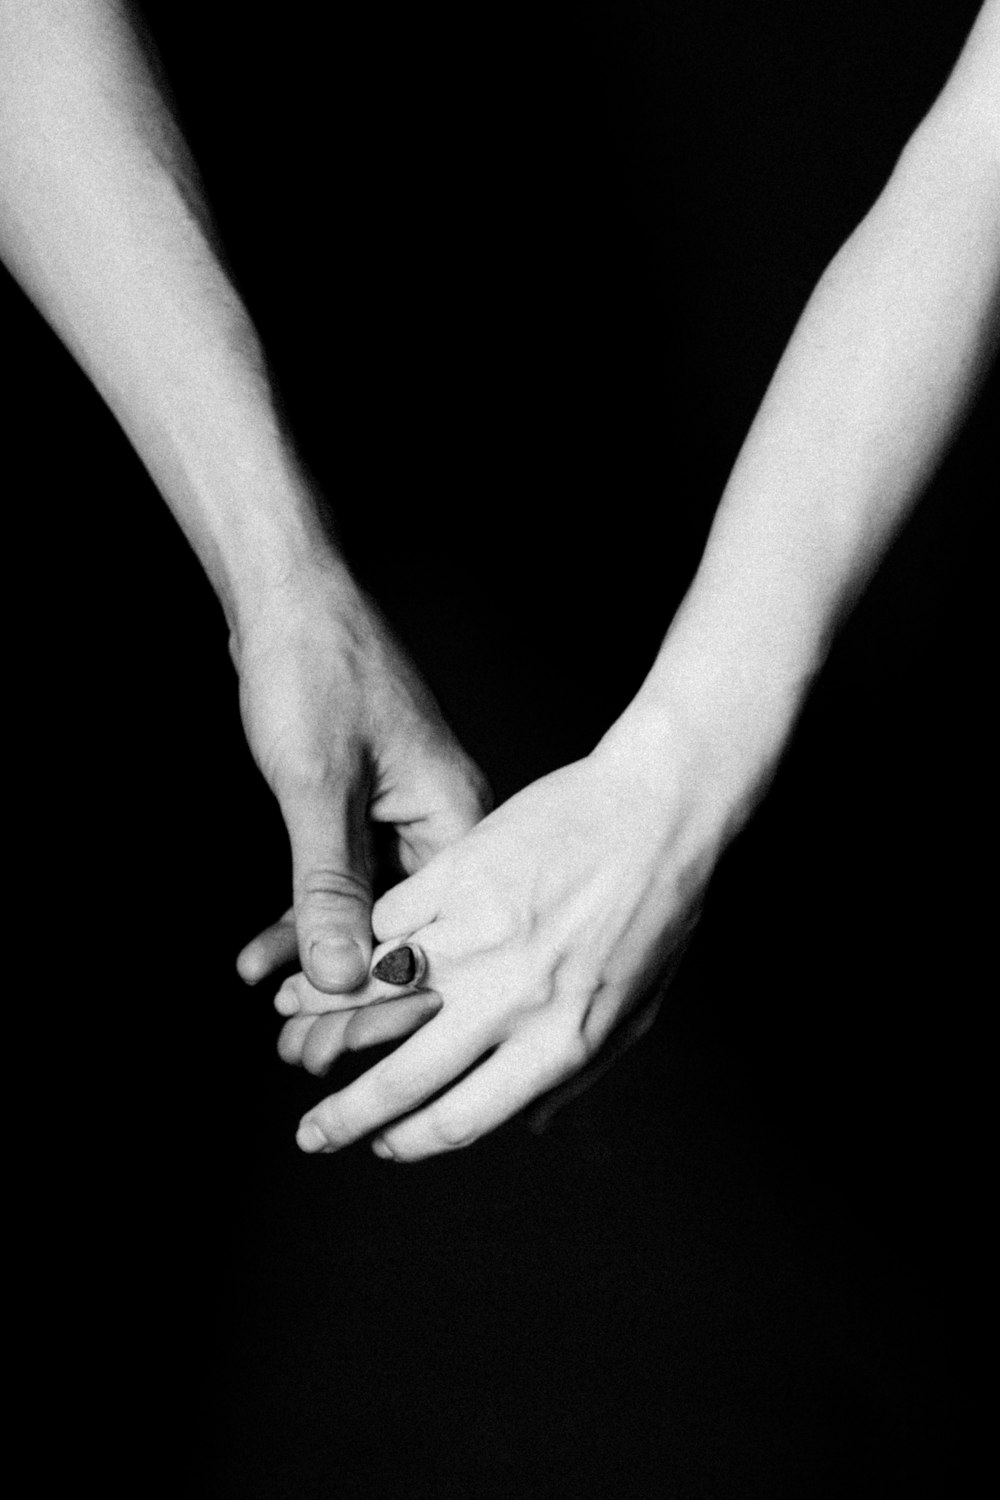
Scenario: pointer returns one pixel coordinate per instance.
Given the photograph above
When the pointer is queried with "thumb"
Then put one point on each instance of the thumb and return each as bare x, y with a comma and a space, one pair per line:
331, 882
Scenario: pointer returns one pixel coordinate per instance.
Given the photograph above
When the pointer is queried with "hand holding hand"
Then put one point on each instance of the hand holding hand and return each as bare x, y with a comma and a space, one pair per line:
542, 928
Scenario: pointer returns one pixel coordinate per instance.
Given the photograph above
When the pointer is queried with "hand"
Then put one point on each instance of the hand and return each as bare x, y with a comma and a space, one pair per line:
347, 736
543, 928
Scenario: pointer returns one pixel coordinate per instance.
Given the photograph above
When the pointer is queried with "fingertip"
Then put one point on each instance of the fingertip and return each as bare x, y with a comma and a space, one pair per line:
249, 966
403, 908
385, 922
286, 1002
309, 1137
293, 1035
269, 950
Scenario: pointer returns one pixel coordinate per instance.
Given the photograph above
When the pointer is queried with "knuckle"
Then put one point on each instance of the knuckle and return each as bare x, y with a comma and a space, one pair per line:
451, 1129
573, 1053
408, 1150
396, 907
326, 886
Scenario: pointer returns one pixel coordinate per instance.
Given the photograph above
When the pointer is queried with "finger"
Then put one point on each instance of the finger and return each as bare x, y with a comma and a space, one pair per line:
331, 1036
294, 1033
517, 1073
427, 1062
390, 1020
316, 1042
331, 880
297, 996
276, 946
466, 806
325, 1041
411, 904
430, 799
460, 800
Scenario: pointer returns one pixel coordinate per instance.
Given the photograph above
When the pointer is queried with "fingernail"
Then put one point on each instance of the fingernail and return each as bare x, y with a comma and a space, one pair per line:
381, 1149
337, 960
397, 967
309, 1137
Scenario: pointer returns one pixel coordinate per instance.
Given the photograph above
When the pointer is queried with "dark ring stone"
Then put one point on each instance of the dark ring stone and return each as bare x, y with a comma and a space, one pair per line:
397, 967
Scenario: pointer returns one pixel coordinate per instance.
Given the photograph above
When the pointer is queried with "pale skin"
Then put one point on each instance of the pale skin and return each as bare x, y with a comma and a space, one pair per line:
103, 222
547, 923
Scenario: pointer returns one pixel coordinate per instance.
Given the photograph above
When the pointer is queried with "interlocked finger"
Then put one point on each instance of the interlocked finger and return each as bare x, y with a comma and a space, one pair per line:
396, 970
316, 1042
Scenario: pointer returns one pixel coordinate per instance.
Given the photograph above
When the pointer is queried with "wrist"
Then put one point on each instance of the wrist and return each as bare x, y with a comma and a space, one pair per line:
259, 533
711, 718
217, 450
294, 588
264, 563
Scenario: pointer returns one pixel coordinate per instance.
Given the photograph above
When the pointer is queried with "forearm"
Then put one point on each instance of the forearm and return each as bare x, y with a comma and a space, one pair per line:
102, 221
868, 394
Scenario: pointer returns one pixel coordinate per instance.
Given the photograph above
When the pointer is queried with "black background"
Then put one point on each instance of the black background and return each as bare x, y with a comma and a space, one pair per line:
523, 273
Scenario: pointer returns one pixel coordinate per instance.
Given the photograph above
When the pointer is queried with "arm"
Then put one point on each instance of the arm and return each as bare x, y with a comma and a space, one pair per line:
864, 402
547, 923
104, 223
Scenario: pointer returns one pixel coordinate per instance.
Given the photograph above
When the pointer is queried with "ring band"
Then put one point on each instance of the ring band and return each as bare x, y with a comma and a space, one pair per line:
406, 965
